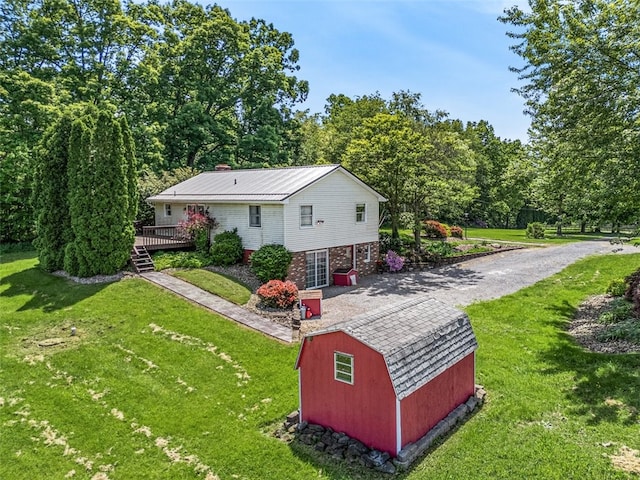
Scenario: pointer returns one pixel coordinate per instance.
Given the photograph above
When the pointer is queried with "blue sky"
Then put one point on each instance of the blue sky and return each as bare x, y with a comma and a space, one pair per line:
453, 52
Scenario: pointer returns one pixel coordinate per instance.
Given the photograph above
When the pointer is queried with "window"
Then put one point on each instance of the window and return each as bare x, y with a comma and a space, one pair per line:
367, 253
193, 208
361, 212
167, 209
255, 216
343, 363
306, 216
317, 269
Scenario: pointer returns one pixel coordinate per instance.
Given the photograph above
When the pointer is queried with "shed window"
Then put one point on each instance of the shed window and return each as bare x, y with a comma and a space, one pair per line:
167, 209
361, 212
255, 216
306, 215
343, 367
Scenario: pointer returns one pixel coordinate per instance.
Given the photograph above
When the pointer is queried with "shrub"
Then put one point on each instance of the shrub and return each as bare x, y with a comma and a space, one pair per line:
535, 230
437, 250
163, 260
278, 294
633, 291
434, 229
197, 227
394, 261
620, 310
457, 232
626, 330
389, 243
271, 262
226, 248
617, 287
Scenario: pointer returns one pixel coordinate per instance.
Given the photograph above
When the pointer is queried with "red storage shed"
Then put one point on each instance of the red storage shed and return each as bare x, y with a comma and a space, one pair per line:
388, 376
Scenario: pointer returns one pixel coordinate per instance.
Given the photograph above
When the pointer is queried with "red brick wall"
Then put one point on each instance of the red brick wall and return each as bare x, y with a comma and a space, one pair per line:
339, 257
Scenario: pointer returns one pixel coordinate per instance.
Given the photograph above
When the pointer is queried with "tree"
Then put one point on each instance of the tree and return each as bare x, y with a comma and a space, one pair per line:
84, 191
582, 84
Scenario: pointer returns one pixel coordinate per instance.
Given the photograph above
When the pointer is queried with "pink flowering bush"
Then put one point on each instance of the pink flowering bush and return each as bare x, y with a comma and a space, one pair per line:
394, 261
196, 228
278, 294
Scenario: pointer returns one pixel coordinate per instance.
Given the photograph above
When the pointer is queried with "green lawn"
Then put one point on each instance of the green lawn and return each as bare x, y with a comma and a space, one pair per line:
518, 235
215, 283
153, 387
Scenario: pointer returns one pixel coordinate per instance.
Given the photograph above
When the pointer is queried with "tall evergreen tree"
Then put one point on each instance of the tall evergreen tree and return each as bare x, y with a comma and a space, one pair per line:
51, 206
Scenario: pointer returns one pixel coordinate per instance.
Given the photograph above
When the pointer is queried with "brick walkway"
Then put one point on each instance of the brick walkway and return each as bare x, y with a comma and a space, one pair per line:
220, 305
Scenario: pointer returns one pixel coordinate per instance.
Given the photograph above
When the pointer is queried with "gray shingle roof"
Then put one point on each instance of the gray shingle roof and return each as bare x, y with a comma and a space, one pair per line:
258, 185
419, 339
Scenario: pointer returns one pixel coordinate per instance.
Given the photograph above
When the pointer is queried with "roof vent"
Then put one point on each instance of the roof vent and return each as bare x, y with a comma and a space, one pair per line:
223, 167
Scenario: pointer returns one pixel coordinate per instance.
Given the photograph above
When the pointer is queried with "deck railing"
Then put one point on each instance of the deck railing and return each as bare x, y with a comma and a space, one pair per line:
157, 237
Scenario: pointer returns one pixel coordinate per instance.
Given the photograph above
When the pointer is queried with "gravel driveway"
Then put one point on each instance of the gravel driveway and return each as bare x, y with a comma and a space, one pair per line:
483, 278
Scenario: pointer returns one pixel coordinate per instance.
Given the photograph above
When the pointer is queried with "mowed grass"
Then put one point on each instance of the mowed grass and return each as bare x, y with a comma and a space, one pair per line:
519, 236
215, 283
154, 387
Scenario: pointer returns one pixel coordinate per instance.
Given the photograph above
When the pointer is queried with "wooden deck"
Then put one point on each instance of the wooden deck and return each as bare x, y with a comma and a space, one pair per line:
163, 237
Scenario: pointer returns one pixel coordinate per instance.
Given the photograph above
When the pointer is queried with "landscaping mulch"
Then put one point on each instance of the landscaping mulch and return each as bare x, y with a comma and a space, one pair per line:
585, 328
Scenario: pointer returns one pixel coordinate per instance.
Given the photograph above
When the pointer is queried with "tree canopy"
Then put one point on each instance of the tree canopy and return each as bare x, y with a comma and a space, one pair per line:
582, 88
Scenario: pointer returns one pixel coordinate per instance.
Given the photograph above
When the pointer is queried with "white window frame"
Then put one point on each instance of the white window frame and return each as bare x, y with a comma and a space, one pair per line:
367, 253
343, 371
257, 215
195, 208
305, 215
167, 209
361, 216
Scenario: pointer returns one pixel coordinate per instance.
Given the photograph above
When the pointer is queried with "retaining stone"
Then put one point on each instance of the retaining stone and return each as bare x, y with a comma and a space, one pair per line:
341, 447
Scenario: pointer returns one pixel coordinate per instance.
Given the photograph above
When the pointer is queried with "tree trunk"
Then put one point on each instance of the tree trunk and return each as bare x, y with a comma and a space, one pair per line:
583, 227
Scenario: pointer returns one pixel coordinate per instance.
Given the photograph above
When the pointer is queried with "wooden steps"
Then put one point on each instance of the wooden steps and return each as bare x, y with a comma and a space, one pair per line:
141, 260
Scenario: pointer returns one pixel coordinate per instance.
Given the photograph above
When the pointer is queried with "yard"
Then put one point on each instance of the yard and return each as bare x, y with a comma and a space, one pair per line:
154, 387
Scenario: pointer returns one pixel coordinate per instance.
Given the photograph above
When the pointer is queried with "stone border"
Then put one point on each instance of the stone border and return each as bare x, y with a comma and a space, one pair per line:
341, 447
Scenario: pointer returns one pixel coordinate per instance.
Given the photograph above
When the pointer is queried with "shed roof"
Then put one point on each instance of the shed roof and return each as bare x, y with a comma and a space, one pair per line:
264, 185
418, 339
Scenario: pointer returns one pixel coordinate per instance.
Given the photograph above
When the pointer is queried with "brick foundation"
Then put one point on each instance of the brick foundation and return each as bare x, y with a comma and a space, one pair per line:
339, 257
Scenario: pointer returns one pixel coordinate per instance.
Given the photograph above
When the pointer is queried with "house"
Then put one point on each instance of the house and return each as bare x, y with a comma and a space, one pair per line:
388, 376
323, 214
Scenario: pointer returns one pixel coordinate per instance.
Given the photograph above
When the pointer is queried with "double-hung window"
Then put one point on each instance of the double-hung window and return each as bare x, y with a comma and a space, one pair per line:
306, 216
361, 212
193, 209
167, 209
343, 367
255, 216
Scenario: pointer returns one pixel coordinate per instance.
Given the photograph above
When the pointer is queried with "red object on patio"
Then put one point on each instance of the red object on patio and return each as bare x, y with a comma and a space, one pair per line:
312, 299
345, 277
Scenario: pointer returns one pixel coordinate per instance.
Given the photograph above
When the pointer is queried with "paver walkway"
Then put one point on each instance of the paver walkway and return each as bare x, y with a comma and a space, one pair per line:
220, 305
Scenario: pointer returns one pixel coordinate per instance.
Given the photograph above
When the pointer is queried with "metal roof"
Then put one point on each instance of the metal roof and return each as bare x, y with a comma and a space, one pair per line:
273, 185
418, 339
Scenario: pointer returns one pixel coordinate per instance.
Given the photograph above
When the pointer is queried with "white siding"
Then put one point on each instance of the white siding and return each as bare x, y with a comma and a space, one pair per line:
231, 216
334, 200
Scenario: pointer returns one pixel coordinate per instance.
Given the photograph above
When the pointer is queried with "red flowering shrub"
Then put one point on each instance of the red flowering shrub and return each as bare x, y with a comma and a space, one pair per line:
433, 229
457, 232
278, 294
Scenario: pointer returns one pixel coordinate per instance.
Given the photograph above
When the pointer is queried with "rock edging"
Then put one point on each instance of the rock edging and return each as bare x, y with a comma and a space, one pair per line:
341, 447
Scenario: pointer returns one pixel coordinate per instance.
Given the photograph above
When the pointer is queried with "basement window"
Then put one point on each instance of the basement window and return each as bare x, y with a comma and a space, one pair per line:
343, 367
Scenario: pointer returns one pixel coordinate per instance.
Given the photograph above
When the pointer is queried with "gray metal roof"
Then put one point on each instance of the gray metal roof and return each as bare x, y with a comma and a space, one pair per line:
419, 339
240, 186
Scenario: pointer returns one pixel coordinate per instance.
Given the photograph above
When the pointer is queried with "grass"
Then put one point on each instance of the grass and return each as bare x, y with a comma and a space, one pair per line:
216, 283
518, 235
154, 387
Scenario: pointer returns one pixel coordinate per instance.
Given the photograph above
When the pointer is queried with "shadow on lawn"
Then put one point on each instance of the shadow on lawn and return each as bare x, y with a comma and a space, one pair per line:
606, 386
46, 291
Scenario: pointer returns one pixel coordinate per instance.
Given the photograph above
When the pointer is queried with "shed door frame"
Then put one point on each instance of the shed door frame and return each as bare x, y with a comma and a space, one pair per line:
317, 268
